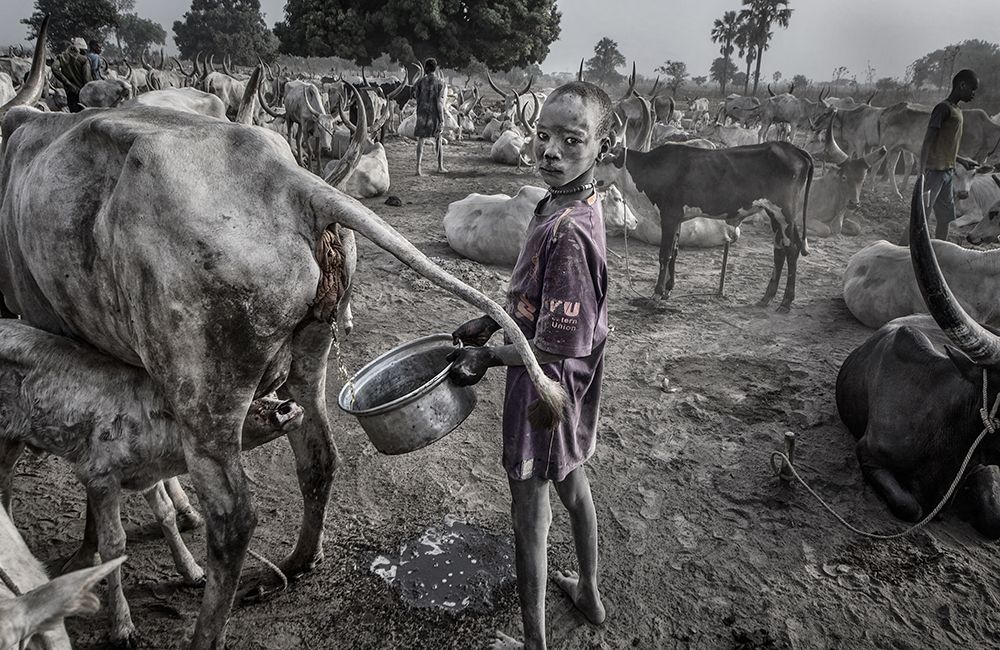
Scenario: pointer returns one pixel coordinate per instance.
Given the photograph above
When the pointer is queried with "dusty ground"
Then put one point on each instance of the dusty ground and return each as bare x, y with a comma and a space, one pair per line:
701, 546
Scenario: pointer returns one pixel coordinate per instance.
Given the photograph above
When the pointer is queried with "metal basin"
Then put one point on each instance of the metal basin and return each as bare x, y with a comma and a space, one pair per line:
404, 400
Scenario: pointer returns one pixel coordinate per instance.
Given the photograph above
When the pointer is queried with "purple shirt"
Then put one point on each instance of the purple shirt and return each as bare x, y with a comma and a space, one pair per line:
558, 297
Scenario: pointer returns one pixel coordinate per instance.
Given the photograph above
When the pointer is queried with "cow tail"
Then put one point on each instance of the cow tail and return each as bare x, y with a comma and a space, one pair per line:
805, 205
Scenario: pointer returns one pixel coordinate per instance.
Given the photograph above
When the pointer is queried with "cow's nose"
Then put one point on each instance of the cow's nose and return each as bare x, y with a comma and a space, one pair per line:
853, 204
962, 196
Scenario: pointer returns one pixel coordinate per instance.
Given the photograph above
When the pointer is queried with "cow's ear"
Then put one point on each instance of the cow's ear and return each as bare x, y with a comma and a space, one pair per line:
965, 366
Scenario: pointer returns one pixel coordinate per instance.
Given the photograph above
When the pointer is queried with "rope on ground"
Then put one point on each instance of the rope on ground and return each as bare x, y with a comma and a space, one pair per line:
270, 565
989, 426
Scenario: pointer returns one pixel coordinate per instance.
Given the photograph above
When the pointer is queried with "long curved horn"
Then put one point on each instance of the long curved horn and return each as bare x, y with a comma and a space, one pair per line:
349, 161
579, 75
162, 60
211, 63
364, 79
981, 345
267, 108
769, 91
527, 86
344, 117
142, 59
494, 86
248, 105
831, 149
395, 91
869, 100
631, 84
652, 92
130, 74
670, 112
312, 109
536, 111
31, 89
181, 68
646, 134
226, 60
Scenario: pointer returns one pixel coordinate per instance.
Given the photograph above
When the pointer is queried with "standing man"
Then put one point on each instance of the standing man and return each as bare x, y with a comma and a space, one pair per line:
940, 150
429, 92
94, 56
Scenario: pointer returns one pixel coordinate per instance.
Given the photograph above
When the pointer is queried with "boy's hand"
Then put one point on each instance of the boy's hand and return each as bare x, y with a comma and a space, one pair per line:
470, 365
475, 332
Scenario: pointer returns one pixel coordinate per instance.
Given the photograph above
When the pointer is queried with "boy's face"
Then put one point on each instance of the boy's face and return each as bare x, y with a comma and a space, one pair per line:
967, 90
565, 144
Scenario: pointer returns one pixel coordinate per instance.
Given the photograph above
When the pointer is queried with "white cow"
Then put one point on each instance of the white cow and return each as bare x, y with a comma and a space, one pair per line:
7, 91
879, 284
370, 178
32, 613
189, 100
105, 93
491, 228
508, 148
984, 192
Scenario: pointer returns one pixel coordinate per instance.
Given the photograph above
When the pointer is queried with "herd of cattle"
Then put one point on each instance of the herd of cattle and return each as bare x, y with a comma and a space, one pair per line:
150, 344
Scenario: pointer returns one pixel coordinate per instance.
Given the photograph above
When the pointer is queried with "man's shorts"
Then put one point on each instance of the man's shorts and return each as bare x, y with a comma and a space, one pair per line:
940, 183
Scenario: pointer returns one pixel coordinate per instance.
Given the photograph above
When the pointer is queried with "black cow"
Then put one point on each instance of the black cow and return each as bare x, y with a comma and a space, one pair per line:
728, 184
911, 396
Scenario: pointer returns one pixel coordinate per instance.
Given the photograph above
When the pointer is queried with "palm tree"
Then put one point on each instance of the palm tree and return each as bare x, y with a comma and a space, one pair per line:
759, 15
725, 31
744, 42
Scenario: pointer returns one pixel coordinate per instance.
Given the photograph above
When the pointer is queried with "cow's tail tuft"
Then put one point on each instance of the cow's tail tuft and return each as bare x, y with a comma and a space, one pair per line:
805, 204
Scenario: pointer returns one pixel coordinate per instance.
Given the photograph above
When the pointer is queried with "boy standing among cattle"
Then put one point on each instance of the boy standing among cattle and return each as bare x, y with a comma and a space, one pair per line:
557, 296
940, 150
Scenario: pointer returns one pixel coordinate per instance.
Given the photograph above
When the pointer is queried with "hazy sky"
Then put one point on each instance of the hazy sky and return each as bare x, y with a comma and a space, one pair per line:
823, 34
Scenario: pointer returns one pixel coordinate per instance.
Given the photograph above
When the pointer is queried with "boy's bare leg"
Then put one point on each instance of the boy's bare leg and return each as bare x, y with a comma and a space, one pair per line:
532, 516
440, 152
574, 492
420, 155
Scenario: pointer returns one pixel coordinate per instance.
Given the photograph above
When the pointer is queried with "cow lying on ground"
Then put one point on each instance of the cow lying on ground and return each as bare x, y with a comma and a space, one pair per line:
911, 396
190, 100
491, 228
192, 248
879, 284
984, 193
112, 424
32, 607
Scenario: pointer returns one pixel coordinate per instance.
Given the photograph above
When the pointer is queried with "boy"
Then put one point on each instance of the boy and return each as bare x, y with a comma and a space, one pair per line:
557, 296
940, 150
429, 92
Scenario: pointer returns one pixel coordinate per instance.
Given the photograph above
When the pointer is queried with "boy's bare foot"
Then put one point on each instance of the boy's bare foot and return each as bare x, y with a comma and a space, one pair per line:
503, 642
586, 600
442, 170
419, 172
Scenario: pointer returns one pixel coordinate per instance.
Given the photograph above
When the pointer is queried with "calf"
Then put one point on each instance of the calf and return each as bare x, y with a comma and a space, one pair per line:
110, 421
31, 607
731, 183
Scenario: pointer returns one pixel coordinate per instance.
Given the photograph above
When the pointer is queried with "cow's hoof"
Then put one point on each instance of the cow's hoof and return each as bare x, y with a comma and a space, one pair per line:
129, 641
80, 560
783, 308
199, 582
189, 520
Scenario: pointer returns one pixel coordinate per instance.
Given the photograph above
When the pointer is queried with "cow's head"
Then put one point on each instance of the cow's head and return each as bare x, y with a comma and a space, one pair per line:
965, 171
987, 231
852, 173
616, 213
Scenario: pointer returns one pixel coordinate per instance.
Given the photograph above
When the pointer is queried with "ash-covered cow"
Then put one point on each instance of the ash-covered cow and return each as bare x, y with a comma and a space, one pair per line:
491, 228
105, 93
193, 248
112, 424
879, 284
911, 396
32, 607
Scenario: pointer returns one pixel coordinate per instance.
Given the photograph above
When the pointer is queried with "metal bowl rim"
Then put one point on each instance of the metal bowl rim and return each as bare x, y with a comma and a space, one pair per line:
403, 400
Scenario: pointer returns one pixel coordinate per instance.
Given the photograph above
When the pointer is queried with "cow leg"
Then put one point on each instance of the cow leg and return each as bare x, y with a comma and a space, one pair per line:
214, 463
792, 257
166, 516
105, 500
982, 494
668, 256
893, 163
10, 451
316, 455
188, 517
84, 557
901, 503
